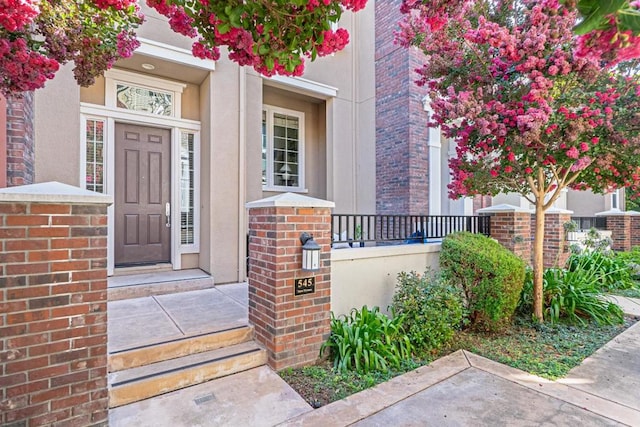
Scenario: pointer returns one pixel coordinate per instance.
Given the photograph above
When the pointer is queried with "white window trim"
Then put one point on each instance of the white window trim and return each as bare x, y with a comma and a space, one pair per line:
176, 125
195, 246
271, 110
113, 77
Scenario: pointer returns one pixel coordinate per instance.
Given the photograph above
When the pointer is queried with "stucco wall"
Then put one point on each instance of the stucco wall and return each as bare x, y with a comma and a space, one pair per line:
57, 130
367, 276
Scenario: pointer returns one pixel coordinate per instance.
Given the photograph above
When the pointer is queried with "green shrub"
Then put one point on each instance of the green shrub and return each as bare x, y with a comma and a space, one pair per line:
490, 276
367, 340
432, 310
574, 295
612, 272
632, 260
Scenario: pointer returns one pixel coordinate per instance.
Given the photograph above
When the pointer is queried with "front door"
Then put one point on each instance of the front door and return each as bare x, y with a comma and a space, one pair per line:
142, 195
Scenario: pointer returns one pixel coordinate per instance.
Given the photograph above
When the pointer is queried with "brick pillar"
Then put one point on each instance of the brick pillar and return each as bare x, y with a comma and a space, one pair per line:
20, 160
402, 134
635, 230
291, 327
53, 306
511, 226
619, 223
555, 246
3, 141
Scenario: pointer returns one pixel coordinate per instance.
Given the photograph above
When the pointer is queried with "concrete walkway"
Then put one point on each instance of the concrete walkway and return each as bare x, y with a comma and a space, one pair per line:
461, 389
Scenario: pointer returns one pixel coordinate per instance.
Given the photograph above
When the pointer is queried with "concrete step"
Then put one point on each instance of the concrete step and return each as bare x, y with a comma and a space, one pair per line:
157, 283
146, 355
135, 384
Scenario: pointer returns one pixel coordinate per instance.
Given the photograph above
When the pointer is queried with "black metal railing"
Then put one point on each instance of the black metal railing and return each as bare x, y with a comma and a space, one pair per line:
359, 229
589, 222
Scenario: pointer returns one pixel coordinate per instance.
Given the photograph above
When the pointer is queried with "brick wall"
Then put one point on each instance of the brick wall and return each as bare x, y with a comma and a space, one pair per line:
555, 246
635, 230
3, 141
53, 314
513, 231
20, 157
402, 152
292, 328
620, 227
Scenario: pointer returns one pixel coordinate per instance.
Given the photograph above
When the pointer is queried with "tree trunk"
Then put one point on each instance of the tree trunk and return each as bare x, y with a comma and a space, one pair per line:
538, 261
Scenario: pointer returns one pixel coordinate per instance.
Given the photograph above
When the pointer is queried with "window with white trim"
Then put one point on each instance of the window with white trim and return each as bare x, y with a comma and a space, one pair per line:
94, 137
187, 188
282, 149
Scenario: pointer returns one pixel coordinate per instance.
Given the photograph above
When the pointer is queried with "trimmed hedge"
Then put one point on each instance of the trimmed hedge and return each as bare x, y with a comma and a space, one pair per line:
432, 310
490, 276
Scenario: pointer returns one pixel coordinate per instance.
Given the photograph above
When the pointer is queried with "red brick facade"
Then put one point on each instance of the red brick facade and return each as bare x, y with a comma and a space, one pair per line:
402, 152
3, 141
555, 245
513, 231
635, 230
292, 328
20, 158
620, 227
53, 314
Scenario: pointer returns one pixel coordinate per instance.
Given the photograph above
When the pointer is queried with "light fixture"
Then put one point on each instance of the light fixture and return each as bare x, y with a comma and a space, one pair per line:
148, 66
310, 253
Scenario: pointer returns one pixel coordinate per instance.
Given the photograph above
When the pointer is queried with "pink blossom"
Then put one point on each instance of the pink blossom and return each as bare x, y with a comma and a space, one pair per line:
572, 153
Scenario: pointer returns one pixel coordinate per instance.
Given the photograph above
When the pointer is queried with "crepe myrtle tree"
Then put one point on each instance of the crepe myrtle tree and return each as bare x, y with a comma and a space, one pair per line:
527, 113
273, 36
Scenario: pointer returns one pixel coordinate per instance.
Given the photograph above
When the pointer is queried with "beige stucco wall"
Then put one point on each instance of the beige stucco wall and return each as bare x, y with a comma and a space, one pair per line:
223, 162
367, 276
57, 130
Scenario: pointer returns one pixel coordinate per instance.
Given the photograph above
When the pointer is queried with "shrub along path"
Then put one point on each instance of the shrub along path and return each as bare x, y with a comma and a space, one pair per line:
465, 389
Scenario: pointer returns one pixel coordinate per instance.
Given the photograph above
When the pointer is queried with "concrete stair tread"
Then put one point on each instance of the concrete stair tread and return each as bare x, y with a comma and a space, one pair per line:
143, 382
172, 365
179, 347
142, 285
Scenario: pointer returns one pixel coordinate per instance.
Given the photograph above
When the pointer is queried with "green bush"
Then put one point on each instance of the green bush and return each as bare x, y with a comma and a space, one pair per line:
367, 340
432, 310
490, 276
632, 260
574, 295
612, 272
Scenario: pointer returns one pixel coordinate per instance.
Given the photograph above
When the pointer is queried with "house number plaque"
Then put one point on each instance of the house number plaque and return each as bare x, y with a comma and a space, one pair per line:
306, 285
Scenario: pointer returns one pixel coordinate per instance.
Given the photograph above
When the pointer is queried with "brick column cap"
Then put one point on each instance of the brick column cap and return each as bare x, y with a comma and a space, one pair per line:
558, 211
290, 200
503, 208
53, 192
617, 212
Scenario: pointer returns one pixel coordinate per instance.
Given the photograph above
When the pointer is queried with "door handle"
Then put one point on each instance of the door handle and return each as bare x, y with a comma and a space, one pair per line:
167, 211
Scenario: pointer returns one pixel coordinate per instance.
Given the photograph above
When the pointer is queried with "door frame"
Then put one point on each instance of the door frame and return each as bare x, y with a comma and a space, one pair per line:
177, 126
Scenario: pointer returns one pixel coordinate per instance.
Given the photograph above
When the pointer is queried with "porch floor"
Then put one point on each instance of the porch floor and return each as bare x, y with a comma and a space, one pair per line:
156, 319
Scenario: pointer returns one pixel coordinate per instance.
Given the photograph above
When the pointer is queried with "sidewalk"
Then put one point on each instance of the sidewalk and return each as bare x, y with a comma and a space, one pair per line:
458, 390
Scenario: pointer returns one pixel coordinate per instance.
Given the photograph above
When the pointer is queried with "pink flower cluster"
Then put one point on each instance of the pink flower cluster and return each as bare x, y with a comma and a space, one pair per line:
611, 46
17, 14
24, 68
116, 4
333, 41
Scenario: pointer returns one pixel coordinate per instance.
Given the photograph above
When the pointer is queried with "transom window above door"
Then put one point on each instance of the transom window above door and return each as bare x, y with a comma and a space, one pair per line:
143, 94
282, 149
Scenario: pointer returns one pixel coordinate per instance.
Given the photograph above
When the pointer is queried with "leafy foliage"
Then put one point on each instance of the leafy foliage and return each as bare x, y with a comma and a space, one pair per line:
37, 36
273, 37
367, 340
529, 108
432, 310
574, 296
490, 276
611, 271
